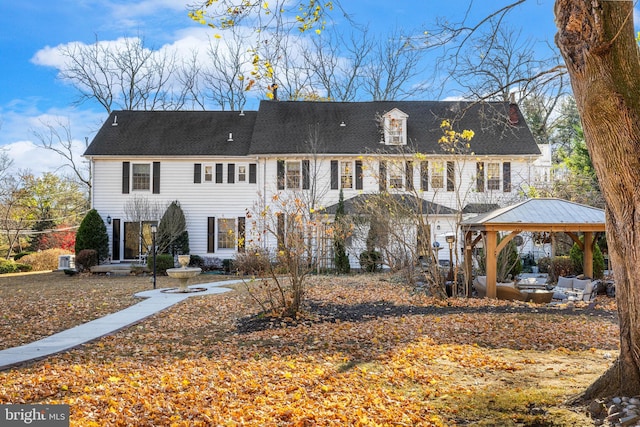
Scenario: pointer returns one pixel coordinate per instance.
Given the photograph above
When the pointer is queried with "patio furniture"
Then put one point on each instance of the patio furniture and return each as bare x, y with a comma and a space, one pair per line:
538, 296
575, 289
506, 291
531, 283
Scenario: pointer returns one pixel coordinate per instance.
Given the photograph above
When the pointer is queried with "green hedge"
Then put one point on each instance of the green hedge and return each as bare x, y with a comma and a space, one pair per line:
163, 262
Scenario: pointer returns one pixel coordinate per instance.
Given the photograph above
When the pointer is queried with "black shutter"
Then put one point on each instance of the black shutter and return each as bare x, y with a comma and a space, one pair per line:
506, 177
241, 233
253, 173
409, 175
197, 173
334, 174
115, 240
218, 173
480, 177
451, 177
156, 178
126, 168
305, 175
211, 234
358, 174
382, 175
280, 230
280, 174
231, 173
424, 175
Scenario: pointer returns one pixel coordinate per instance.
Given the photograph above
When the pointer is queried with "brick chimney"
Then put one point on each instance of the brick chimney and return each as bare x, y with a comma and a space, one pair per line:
513, 110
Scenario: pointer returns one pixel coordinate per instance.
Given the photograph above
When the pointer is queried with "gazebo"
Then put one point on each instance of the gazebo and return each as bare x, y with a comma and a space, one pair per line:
533, 215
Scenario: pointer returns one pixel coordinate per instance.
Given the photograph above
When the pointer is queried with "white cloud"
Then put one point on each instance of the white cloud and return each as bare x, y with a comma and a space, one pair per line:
18, 139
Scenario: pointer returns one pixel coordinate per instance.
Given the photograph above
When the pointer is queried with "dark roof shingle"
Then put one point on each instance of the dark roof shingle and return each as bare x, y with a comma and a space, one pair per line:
291, 127
174, 133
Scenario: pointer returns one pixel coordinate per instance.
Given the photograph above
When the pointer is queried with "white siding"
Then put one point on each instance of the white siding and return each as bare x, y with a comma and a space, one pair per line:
225, 200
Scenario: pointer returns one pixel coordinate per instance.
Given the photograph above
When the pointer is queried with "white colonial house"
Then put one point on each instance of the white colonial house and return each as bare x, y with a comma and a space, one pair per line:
219, 165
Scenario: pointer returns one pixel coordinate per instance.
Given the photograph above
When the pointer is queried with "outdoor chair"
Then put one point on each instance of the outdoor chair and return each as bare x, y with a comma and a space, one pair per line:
573, 288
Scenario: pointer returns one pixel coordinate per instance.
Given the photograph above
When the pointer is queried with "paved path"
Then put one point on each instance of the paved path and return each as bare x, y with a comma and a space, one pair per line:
154, 302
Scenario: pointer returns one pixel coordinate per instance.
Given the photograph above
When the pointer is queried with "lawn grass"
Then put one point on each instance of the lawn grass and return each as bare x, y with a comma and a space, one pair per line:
371, 352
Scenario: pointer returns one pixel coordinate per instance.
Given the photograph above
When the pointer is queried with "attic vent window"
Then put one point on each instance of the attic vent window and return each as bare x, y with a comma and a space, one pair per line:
395, 127
230, 139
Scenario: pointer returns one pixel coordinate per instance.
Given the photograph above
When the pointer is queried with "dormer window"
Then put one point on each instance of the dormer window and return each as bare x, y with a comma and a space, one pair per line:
395, 127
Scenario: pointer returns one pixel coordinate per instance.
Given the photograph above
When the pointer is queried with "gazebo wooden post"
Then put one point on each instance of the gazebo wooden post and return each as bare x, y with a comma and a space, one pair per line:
587, 259
492, 264
468, 262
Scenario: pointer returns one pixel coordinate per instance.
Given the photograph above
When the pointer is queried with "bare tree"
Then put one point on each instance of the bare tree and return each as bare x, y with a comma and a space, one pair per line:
394, 62
125, 74
336, 62
225, 77
57, 137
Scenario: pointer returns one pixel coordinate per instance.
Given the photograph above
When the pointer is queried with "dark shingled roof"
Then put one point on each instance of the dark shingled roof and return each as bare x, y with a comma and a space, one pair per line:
174, 133
354, 204
286, 127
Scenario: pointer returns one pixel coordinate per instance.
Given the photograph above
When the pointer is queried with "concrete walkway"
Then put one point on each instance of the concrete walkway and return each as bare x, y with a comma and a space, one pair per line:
155, 301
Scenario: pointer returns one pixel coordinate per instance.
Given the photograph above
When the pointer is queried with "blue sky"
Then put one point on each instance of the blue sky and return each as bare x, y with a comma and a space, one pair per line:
32, 30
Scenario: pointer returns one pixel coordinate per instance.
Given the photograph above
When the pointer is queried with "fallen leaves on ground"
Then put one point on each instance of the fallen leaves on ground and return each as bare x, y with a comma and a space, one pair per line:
34, 306
402, 359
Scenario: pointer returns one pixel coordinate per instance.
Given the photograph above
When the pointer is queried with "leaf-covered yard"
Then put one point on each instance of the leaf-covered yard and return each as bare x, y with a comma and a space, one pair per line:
369, 351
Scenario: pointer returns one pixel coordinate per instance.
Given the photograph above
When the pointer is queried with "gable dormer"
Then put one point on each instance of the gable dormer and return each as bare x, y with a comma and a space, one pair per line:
395, 127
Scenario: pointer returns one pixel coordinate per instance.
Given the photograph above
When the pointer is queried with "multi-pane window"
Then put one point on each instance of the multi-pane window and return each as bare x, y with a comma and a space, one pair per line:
396, 176
395, 131
346, 175
293, 174
493, 176
208, 173
437, 174
226, 233
141, 176
242, 173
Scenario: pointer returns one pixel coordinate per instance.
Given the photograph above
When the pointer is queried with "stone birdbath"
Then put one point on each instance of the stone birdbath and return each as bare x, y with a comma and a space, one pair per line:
183, 274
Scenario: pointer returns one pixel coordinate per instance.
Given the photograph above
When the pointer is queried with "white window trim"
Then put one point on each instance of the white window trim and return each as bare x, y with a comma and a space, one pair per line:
395, 127
133, 176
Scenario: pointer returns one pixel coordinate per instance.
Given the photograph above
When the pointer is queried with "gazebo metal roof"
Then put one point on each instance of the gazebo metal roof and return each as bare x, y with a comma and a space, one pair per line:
545, 214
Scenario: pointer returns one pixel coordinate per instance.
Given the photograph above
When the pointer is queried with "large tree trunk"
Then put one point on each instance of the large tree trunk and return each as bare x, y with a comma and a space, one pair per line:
597, 42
